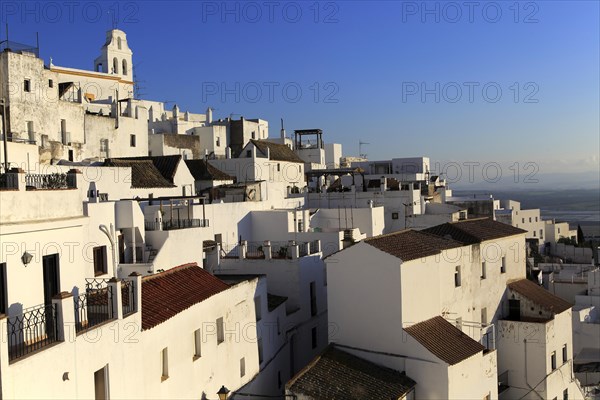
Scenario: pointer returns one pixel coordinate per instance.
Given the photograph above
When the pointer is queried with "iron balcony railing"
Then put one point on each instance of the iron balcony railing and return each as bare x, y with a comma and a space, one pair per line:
127, 297
50, 181
168, 225
31, 331
93, 307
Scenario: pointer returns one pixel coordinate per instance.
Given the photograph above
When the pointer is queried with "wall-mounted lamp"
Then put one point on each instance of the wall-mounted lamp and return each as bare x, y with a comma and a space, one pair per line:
223, 392
26, 258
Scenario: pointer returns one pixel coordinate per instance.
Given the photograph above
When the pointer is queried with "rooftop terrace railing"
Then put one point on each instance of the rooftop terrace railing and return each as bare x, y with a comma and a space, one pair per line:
167, 225
93, 307
50, 181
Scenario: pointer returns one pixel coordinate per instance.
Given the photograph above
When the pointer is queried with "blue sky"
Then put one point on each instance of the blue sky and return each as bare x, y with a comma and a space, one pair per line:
361, 68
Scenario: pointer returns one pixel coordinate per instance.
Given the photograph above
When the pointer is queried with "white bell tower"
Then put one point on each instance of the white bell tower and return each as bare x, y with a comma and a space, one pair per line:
115, 56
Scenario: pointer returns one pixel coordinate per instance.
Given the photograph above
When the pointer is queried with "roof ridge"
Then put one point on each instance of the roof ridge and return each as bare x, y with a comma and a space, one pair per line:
170, 271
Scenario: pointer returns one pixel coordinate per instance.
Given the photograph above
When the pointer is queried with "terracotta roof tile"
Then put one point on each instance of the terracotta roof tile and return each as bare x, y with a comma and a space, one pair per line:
336, 374
410, 245
444, 340
473, 231
166, 165
143, 173
279, 152
539, 295
167, 294
203, 171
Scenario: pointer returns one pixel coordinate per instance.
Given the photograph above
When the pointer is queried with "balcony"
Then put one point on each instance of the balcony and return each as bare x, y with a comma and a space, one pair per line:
167, 225
39, 328
32, 331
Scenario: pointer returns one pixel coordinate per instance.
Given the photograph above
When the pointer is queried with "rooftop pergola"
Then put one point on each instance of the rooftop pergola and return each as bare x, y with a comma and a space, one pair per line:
300, 133
318, 173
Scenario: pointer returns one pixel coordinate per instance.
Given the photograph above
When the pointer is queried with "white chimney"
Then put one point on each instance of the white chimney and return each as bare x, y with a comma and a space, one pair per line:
228, 152
209, 115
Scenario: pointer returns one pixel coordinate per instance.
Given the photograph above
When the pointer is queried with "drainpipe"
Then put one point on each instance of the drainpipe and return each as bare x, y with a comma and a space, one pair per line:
109, 235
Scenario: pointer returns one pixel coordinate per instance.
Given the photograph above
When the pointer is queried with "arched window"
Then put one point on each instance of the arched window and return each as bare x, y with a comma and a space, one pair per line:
124, 69
119, 43
115, 66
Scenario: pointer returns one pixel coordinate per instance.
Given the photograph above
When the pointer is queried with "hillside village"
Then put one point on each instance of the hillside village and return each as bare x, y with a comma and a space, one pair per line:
152, 252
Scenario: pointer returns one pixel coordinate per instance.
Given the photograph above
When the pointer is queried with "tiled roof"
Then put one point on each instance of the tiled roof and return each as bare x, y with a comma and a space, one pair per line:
204, 171
167, 294
275, 301
539, 295
410, 245
278, 152
336, 374
476, 230
444, 340
143, 173
166, 165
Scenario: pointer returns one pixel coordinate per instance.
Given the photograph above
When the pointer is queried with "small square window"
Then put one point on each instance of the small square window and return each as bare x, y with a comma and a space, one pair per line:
248, 153
457, 276
164, 356
394, 215
218, 142
27, 85
220, 331
197, 344
483, 270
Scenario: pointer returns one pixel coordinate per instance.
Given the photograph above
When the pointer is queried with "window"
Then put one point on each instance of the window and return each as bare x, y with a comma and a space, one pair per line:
314, 337
313, 299
529, 219
218, 142
257, 308
564, 354
27, 85
394, 215
242, 366
457, 276
164, 360
278, 167
119, 43
132, 140
124, 71
541, 233
44, 141
115, 66
483, 269
50, 83
300, 168
553, 361
484, 319
503, 265
100, 263
30, 131
536, 219
558, 230
523, 220
566, 394
3, 290
220, 331
534, 232
197, 344
260, 351
248, 153
253, 135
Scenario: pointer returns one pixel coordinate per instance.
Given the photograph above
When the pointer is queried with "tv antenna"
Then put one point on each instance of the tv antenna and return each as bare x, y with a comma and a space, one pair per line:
360, 146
